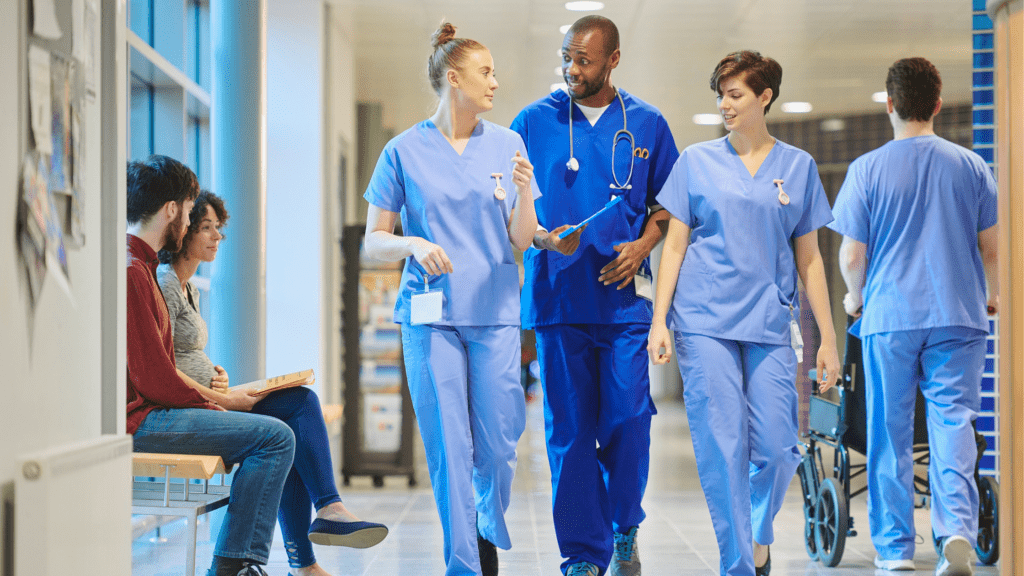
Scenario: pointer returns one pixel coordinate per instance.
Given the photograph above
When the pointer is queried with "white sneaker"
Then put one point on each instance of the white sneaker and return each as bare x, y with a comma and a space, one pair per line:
956, 557
894, 565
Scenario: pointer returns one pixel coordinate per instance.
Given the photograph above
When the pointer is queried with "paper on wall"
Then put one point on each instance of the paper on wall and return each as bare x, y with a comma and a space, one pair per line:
44, 19
39, 98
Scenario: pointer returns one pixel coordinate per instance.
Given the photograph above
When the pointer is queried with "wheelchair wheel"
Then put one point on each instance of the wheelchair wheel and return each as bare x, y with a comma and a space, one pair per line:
988, 521
809, 544
831, 522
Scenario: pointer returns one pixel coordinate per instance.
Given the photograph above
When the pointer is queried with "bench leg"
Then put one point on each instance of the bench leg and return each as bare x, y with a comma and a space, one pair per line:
190, 546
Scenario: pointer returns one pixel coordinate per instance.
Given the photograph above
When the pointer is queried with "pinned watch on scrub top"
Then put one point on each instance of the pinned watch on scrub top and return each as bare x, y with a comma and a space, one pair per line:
783, 197
499, 192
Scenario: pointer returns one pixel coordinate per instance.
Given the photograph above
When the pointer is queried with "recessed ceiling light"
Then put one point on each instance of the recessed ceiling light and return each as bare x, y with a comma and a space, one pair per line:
564, 28
797, 107
584, 6
558, 86
880, 97
558, 71
707, 119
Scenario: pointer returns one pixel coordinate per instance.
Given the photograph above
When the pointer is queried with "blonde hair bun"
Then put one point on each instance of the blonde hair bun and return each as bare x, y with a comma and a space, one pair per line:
442, 35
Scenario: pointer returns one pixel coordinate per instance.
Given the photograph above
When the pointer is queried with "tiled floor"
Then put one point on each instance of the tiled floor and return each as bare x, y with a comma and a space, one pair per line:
675, 539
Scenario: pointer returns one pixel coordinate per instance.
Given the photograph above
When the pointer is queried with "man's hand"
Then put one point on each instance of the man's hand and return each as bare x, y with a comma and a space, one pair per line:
220, 381
624, 267
566, 246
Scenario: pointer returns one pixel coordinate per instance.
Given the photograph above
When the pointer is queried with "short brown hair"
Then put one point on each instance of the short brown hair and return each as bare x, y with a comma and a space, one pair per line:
449, 52
914, 85
756, 71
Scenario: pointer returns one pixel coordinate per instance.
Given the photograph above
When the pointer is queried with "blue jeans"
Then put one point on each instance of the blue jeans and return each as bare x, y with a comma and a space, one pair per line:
310, 483
264, 448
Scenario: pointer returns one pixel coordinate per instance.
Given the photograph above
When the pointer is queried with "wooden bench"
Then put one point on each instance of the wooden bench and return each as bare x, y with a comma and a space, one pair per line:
162, 498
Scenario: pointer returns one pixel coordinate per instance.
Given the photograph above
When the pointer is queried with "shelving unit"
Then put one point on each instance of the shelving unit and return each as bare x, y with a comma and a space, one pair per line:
379, 419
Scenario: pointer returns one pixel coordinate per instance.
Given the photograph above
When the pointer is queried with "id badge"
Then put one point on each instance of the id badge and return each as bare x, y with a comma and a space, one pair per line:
643, 283
796, 340
425, 307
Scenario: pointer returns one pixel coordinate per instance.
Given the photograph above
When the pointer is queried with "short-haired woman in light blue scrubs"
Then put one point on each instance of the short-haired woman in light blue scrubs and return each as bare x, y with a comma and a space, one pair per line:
745, 212
465, 191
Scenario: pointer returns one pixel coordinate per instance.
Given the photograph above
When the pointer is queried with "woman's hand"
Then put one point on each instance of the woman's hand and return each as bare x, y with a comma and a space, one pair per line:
220, 381
522, 174
431, 256
828, 367
659, 338
238, 400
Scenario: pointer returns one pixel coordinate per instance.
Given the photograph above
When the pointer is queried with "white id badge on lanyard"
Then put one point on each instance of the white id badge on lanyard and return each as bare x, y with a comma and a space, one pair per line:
643, 282
795, 338
425, 307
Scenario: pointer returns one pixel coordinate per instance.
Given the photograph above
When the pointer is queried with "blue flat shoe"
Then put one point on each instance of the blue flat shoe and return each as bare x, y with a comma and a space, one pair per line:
351, 534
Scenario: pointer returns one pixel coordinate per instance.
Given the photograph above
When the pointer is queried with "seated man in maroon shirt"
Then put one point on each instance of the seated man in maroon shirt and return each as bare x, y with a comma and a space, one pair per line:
165, 414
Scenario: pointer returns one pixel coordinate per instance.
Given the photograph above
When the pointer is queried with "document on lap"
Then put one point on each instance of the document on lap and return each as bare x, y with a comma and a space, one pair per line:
268, 385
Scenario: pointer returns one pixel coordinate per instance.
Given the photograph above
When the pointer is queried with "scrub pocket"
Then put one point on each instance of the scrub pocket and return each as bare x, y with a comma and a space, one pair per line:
692, 370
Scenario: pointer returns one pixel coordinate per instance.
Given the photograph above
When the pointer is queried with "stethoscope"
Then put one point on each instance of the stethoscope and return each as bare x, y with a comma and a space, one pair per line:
574, 164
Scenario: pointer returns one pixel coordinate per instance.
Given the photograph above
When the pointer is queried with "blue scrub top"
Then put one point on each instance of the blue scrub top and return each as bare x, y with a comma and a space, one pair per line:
919, 203
564, 289
449, 200
739, 278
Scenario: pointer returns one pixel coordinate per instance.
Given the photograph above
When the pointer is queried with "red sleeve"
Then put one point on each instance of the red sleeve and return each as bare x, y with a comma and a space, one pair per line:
151, 369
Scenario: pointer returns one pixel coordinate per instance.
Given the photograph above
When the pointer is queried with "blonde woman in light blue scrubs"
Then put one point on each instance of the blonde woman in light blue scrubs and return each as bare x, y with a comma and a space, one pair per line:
745, 212
465, 191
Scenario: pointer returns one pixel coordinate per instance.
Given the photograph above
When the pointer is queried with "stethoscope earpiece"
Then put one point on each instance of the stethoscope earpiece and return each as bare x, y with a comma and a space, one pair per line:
573, 164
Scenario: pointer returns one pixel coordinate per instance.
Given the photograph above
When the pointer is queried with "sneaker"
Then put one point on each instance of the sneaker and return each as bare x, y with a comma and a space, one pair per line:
894, 565
956, 557
234, 567
582, 569
250, 569
626, 558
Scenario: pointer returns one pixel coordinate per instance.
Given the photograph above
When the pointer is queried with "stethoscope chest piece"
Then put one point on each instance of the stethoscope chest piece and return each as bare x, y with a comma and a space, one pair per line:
499, 192
783, 197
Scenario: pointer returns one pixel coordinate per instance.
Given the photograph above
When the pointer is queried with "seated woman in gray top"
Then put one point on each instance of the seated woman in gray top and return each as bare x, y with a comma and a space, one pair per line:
310, 483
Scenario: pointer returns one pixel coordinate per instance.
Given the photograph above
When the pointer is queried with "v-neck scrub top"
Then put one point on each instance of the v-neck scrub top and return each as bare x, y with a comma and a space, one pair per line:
448, 199
738, 278
563, 289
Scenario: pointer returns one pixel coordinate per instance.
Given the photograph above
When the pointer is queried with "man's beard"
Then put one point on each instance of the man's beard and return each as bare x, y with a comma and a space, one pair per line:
174, 234
588, 88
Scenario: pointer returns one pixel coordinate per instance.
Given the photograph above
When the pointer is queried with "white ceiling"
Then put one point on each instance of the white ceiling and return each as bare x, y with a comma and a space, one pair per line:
834, 53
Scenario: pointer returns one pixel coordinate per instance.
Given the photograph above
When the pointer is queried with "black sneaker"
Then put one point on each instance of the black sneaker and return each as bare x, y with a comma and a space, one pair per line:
488, 556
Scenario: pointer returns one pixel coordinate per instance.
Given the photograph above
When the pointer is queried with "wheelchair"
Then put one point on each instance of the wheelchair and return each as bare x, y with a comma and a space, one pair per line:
842, 426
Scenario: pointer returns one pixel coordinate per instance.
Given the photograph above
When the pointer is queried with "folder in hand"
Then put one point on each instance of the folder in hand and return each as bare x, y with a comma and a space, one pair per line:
610, 203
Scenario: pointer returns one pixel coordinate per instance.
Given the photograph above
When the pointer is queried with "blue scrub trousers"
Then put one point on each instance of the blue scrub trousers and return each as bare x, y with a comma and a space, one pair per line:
947, 364
471, 410
597, 413
741, 404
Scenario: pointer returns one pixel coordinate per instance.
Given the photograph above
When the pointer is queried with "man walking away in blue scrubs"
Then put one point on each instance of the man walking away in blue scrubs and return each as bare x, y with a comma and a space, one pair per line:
918, 217
590, 143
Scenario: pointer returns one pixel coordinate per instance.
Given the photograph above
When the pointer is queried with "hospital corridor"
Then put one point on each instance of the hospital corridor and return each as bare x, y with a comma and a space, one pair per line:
676, 539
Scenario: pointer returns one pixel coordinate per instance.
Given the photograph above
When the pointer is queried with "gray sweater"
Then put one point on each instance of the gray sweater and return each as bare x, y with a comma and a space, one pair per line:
187, 327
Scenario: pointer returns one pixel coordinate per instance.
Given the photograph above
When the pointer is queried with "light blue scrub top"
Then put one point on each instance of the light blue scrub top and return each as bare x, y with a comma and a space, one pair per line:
564, 289
739, 278
449, 200
918, 204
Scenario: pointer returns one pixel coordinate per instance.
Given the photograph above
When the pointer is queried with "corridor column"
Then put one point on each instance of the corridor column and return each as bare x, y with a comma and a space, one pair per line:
1007, 25
238, 35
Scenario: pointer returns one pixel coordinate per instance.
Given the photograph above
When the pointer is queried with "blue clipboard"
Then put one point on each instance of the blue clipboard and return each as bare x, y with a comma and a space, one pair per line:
610, 203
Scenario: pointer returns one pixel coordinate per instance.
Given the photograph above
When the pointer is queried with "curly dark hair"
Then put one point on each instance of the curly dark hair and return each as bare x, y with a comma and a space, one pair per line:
756, 71
195, 219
